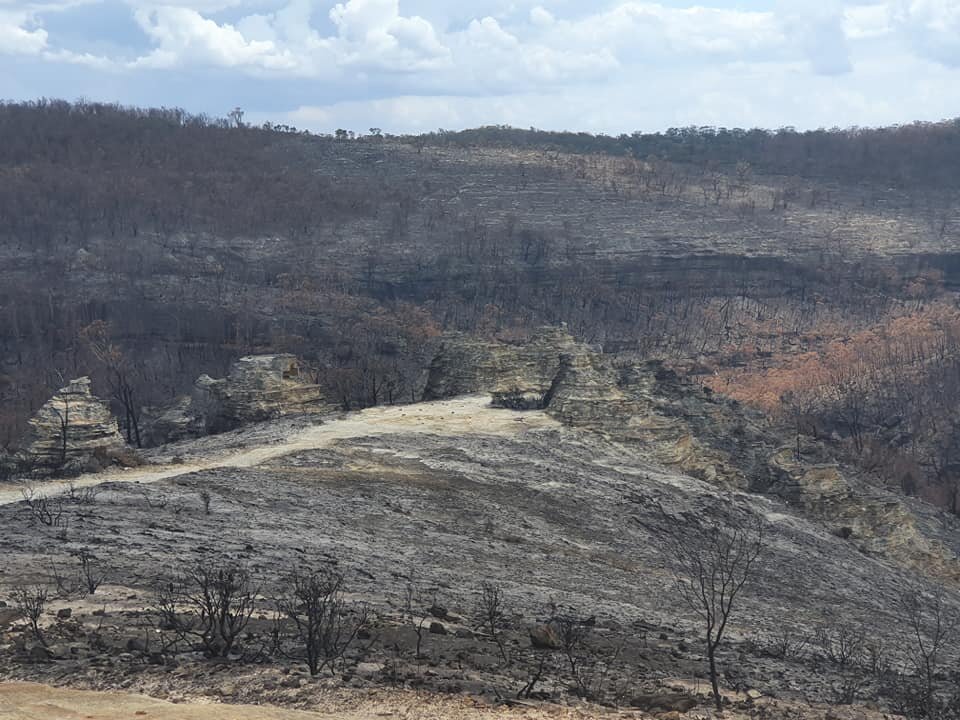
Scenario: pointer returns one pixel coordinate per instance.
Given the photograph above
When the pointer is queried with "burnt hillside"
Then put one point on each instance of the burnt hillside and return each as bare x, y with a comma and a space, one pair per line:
185, 243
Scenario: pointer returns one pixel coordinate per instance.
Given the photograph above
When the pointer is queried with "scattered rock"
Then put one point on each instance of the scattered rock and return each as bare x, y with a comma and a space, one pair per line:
39, 653
60, 651
438, 611
545, 637
664, 702
368, 669
136, 645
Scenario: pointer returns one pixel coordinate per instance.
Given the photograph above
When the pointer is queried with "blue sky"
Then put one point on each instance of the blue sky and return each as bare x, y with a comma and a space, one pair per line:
412, 65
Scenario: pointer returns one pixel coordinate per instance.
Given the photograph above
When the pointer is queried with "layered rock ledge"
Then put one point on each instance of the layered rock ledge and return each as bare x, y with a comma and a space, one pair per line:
72, 427
257, 388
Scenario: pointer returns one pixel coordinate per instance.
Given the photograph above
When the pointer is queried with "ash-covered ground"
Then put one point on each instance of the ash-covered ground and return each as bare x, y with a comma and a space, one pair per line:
418, 507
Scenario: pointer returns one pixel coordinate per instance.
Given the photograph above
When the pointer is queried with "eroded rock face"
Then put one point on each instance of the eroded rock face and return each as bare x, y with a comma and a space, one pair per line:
811, 486
516, 375
257, 388
74, 425
675, 424
172, 423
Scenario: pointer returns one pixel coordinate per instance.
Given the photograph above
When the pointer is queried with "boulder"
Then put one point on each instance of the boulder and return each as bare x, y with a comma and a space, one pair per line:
820, 487
8, 616
664, 702
260, 387
544, 637
257, 388
73, 426
518, 375
438, 611
175, 422
39, 653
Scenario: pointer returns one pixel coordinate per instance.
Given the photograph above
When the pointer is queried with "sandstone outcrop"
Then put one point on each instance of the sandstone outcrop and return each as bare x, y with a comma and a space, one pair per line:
257, 388
172, 423
73, 426
681, 426
518, 375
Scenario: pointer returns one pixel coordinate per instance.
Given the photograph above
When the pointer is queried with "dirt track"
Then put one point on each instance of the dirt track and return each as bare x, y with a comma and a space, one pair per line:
32, 701
465, 415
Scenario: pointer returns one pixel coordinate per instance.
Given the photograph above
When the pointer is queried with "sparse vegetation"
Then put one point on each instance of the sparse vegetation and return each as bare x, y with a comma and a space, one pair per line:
714, 562
778, 359
324, 627
210, 604
30, 602
491, 615
931, 625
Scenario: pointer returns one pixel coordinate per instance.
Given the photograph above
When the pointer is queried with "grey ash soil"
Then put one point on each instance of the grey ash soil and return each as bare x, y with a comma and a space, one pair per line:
550, 513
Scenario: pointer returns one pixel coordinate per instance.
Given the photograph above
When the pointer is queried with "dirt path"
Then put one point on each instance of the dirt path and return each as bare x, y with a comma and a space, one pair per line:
466, 415
32, 701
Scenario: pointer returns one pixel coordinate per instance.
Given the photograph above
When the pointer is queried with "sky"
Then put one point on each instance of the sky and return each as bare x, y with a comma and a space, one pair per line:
606, 66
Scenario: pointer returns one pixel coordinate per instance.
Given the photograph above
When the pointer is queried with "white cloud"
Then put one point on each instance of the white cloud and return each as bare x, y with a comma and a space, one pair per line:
373, 34
18, 37
541, 17
933, 28
182, 36
867, 22
817, 32
611, 65
739, 95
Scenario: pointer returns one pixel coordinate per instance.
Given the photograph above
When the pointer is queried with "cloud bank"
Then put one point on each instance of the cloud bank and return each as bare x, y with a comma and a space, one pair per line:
409, 66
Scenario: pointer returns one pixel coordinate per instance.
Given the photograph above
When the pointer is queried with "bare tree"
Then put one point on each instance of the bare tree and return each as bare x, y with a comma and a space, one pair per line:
411, 595
931, 624
63, 421
713, 563
90, 576
210, 604
30, 603
842, 644
589, 667
118, 367
48, 512
491, 615
314, 603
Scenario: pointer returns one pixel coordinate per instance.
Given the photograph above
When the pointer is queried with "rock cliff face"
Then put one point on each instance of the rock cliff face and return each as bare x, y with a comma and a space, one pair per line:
257, 388
74, 425
518, 375
678, 425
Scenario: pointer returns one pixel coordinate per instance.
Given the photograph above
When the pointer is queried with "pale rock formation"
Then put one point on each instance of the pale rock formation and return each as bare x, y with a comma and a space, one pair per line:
74, 425
257, 388
171, 423
517, 375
